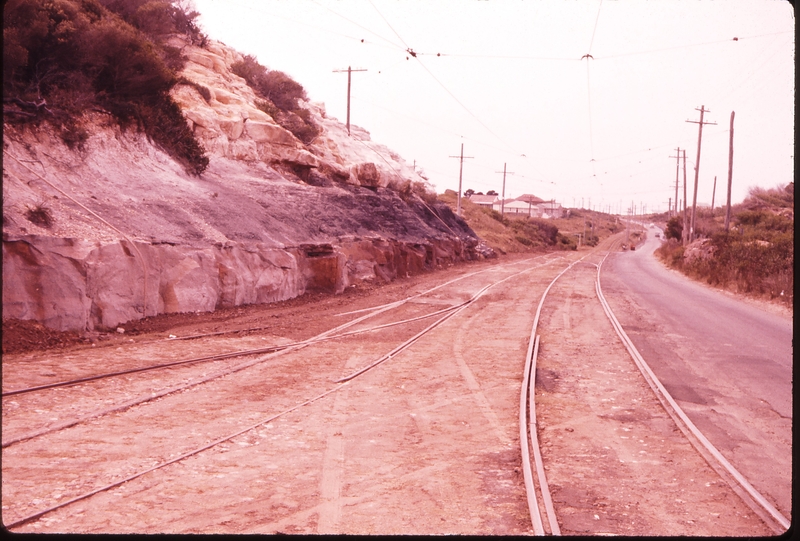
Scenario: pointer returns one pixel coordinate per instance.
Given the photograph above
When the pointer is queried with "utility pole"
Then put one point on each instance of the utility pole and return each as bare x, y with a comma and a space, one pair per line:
677, 169
349, 71
685, 234
730, 177
460, 171
697, 164
713, 195
503, 196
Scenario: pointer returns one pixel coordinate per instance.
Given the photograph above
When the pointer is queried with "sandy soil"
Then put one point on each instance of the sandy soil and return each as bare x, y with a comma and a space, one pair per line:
425, 443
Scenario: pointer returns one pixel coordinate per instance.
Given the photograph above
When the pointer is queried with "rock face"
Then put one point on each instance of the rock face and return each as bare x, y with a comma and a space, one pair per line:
128, 233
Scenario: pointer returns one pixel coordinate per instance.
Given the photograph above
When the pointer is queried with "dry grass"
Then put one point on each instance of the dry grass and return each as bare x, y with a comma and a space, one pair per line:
513, 234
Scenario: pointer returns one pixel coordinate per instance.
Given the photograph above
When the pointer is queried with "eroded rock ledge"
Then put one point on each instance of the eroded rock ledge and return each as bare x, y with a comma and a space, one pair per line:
73, 284
117, 230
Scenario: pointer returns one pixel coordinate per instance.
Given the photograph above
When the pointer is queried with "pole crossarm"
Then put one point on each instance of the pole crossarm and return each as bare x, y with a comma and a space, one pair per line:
677, 183
700, 123
503, 196
460, 171
349, 72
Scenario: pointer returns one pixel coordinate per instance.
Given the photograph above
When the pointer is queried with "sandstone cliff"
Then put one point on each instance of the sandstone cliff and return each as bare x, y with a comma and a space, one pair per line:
117, 230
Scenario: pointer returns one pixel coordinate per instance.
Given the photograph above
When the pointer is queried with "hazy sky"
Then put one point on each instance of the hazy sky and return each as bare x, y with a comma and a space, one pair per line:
507, 79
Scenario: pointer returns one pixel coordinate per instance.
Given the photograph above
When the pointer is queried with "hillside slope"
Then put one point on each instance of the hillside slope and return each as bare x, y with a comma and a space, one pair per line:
117, 229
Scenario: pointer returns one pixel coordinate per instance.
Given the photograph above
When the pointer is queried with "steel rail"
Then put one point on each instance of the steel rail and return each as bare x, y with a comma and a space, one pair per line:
192, 383
221, 356
457, 308
672, 407
528, 382
236, 368
537, 453
247, 352
448, 283
414, 338
340, 384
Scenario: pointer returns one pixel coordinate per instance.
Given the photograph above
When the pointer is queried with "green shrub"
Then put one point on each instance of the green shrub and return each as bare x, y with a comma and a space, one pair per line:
65, 57
280, 96
267, 107
495, 215
566, 243
40, 215
674, 229
524, 240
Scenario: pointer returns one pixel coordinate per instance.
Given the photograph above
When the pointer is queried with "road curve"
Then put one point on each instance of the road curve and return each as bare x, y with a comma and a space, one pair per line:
726, 362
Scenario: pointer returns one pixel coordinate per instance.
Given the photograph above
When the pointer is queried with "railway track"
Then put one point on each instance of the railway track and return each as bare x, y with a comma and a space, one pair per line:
353, 378
335, 333
542, 511
263, 354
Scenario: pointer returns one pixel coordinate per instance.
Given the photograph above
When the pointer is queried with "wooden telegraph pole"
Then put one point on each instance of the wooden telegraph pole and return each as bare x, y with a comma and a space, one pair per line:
730, 178
685, 234
713, 195
460, 171
677, 170
503, 196
697, 165
349, 71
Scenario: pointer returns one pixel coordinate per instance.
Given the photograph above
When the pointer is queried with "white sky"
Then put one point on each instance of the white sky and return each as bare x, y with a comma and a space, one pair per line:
510, 82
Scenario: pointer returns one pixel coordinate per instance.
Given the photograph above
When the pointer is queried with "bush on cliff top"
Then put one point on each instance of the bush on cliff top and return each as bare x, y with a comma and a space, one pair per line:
281, 96
65, 57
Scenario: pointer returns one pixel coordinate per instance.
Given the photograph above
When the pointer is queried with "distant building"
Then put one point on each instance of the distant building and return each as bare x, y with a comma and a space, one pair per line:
522, 208
551, 209
530, 198
487, 201
530, 205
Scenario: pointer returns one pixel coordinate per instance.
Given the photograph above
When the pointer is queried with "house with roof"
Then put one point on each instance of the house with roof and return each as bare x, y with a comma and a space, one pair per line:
488, 201
521, 208
551, 209
530, 198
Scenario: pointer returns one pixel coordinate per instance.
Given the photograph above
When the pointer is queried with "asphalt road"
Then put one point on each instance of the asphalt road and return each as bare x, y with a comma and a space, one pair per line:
728, 363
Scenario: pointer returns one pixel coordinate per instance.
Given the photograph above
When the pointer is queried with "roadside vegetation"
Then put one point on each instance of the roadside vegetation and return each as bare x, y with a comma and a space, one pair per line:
279, 97
65, 58
509, 234
756, 256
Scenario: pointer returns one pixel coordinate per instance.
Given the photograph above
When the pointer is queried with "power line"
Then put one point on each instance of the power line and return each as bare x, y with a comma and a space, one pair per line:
358, 25
664, 49
320, 28
595, 26
390, 26
414, 54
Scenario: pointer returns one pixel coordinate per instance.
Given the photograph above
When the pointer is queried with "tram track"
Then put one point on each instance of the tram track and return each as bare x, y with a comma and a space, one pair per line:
268, 354
749, 494
543, 507
445, 314
330, 380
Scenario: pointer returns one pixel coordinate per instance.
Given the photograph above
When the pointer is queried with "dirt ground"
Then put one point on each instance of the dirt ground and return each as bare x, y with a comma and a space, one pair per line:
425, 443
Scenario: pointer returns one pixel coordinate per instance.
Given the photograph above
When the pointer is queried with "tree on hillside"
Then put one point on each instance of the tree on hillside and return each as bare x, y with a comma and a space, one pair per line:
62, 58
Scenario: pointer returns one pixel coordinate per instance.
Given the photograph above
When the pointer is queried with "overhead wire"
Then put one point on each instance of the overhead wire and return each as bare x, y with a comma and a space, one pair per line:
358, 25
315, 27
588, 56
415, 56
715, 42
